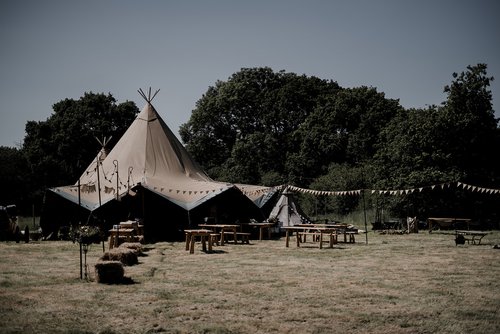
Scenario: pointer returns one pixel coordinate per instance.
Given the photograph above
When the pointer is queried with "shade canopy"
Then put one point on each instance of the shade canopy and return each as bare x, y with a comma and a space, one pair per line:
150, 159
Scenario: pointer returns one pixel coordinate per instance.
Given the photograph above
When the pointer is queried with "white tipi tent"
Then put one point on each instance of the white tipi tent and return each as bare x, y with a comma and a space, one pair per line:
287, 211
149, 158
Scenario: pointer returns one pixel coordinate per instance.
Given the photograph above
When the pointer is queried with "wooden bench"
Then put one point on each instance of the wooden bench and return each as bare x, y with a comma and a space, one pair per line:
214, 238
191, 236
244, 236
351, 234
318, 236
314, 235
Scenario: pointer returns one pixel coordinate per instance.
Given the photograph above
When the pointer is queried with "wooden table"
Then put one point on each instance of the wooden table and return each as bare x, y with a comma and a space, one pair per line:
191, 239
262, 227
471, 236
349, 234
301, 232
446, 222
139, 229
223, 228
116, 233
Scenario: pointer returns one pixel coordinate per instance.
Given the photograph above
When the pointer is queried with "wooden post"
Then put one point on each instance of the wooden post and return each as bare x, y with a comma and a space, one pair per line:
98, 180
364, 211
81, 271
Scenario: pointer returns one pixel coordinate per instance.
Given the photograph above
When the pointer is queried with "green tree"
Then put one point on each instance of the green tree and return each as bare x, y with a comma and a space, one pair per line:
14, 177
59, 148
342, 177
412, 155
242, 129
262, 126
472, 128
455, 142
346, 128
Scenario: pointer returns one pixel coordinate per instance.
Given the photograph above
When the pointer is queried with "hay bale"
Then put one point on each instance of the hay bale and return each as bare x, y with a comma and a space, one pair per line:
134, 246
109, 272
126, 256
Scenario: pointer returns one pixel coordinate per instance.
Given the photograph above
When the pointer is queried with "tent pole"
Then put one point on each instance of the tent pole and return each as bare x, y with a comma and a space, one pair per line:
98, 181
143, 204
115, 162
79, 194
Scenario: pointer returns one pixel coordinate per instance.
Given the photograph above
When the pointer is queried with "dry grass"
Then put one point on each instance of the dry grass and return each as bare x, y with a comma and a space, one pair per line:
419, 283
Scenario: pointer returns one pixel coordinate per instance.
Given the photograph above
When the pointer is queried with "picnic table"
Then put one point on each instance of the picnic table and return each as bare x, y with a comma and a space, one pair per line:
344, 229
139, 229
471, 236
446, 223
204, 234
262, 227
117, 233
223, 228
301, 233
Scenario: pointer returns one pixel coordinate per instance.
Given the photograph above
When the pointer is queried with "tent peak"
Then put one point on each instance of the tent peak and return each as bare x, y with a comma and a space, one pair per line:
148, 97
104, 150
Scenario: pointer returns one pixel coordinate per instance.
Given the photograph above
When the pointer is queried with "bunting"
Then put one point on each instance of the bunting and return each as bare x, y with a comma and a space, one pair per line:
395, 192
263, 190
325, 193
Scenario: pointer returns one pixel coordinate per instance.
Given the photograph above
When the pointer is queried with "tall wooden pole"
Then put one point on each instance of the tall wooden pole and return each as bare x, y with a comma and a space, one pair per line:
115, 162
98, 179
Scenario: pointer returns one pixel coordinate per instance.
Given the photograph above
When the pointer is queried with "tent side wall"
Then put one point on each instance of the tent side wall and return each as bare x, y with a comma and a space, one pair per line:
58, 212
165, 220
229, 207
162, 219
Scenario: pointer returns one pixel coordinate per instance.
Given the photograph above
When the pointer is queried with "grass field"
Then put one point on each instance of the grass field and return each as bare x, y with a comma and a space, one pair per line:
418, 283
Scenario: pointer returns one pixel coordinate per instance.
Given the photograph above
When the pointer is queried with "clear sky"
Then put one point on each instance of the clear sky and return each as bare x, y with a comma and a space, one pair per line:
52, 50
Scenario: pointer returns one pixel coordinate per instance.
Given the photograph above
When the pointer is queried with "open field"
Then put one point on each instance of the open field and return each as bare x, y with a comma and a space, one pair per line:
419, 283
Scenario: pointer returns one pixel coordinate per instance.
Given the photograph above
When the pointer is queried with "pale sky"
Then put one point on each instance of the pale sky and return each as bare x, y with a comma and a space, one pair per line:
52, 50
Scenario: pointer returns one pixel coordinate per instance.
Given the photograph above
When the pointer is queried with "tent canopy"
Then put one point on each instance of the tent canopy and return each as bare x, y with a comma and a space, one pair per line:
149, 158
148, 154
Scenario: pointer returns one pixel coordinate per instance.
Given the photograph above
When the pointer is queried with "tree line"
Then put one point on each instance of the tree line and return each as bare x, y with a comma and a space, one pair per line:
272, 128
56, 151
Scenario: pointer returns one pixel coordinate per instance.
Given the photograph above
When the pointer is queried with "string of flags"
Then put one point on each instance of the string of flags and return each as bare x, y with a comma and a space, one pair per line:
263, 190
442, 186
89, 188
325, 193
